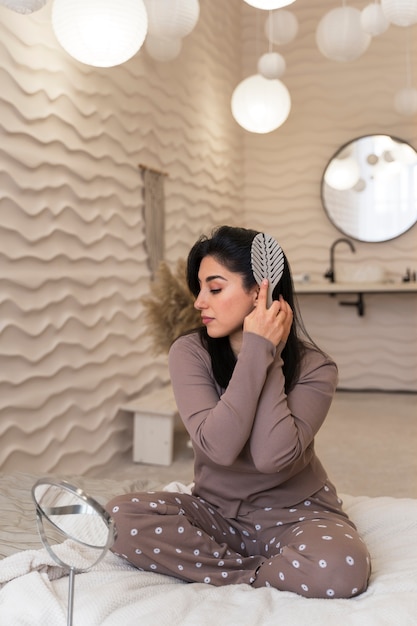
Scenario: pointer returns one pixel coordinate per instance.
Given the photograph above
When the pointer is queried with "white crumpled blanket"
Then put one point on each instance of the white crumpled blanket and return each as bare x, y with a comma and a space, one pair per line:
113, 593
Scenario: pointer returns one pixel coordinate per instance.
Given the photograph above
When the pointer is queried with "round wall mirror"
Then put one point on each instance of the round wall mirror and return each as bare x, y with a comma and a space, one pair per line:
369, 188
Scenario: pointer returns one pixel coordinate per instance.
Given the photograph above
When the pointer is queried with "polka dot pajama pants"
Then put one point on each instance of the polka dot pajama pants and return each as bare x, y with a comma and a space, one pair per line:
312, 548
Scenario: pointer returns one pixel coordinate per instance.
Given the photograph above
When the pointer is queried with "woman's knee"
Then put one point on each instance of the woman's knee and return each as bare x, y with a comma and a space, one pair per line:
327, 577
341, 570
321, 560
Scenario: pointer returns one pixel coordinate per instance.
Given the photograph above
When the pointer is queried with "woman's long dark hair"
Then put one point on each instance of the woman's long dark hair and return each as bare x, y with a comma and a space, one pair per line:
231, 246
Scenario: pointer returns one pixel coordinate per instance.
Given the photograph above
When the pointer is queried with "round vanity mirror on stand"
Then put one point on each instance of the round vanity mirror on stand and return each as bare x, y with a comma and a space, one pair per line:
66, 512
369, 188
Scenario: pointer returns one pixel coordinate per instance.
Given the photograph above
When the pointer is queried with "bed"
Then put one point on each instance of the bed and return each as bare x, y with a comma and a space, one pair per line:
33, 589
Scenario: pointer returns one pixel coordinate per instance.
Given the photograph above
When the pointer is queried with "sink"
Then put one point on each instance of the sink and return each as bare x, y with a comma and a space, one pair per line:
366, 273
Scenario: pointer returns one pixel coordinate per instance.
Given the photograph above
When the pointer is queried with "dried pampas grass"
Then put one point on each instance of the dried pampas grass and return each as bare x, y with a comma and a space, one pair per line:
169, 309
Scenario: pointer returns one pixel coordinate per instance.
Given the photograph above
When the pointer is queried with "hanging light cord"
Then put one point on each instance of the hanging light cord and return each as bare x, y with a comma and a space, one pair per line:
408, 68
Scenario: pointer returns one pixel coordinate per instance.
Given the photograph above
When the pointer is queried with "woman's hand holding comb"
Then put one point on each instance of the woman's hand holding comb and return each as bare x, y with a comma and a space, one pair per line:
274, 323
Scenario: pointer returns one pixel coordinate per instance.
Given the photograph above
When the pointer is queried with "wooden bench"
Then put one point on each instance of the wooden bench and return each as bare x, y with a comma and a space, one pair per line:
155, 416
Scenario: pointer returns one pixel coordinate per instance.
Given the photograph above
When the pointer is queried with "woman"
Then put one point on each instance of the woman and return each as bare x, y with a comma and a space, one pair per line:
252, 394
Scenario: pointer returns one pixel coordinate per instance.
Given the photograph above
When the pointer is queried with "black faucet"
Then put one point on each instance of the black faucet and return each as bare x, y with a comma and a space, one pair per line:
330, 272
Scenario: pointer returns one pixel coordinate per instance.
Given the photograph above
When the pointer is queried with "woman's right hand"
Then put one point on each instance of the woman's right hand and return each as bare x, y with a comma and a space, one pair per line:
274, 323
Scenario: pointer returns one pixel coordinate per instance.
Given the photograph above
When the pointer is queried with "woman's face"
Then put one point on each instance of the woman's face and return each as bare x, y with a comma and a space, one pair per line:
222, 300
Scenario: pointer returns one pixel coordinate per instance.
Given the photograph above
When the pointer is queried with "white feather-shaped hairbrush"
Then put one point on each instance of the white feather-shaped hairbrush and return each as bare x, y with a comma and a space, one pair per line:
267, 259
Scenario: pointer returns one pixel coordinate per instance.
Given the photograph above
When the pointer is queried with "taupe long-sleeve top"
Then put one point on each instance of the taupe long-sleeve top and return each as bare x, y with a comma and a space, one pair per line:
253, 444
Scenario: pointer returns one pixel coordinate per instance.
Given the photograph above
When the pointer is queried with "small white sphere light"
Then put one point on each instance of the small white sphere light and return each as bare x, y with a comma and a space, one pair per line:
271, 65
281, 27
373, 20
24, 6
405, 101
400, 12
342, 174
102, 33
268, 5
174, 19
162, 48
260, 105
339, 35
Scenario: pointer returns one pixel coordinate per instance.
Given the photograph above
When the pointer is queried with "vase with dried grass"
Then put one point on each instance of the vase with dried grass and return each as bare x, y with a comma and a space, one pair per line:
169, 308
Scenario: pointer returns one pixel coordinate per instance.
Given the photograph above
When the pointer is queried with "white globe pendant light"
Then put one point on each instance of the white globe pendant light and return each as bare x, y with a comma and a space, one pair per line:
400, 12
373, 20
174, 19
162, 49
269, 5
342, 174
24, 6
102, 33
339, 35
260, 105
281, 27
271, 65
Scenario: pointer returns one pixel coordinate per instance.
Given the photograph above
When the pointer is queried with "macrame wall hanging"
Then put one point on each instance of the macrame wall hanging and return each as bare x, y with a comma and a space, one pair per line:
154, 216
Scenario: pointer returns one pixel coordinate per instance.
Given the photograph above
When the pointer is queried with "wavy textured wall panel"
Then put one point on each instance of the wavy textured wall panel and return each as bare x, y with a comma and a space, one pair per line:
73, 346
73, 263
333, 103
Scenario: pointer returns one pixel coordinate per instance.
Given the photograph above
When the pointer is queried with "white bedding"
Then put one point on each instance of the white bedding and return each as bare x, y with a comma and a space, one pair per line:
34, 591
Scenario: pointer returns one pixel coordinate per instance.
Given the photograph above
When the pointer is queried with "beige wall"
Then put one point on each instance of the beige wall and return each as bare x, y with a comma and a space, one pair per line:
73, 346
333, 103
